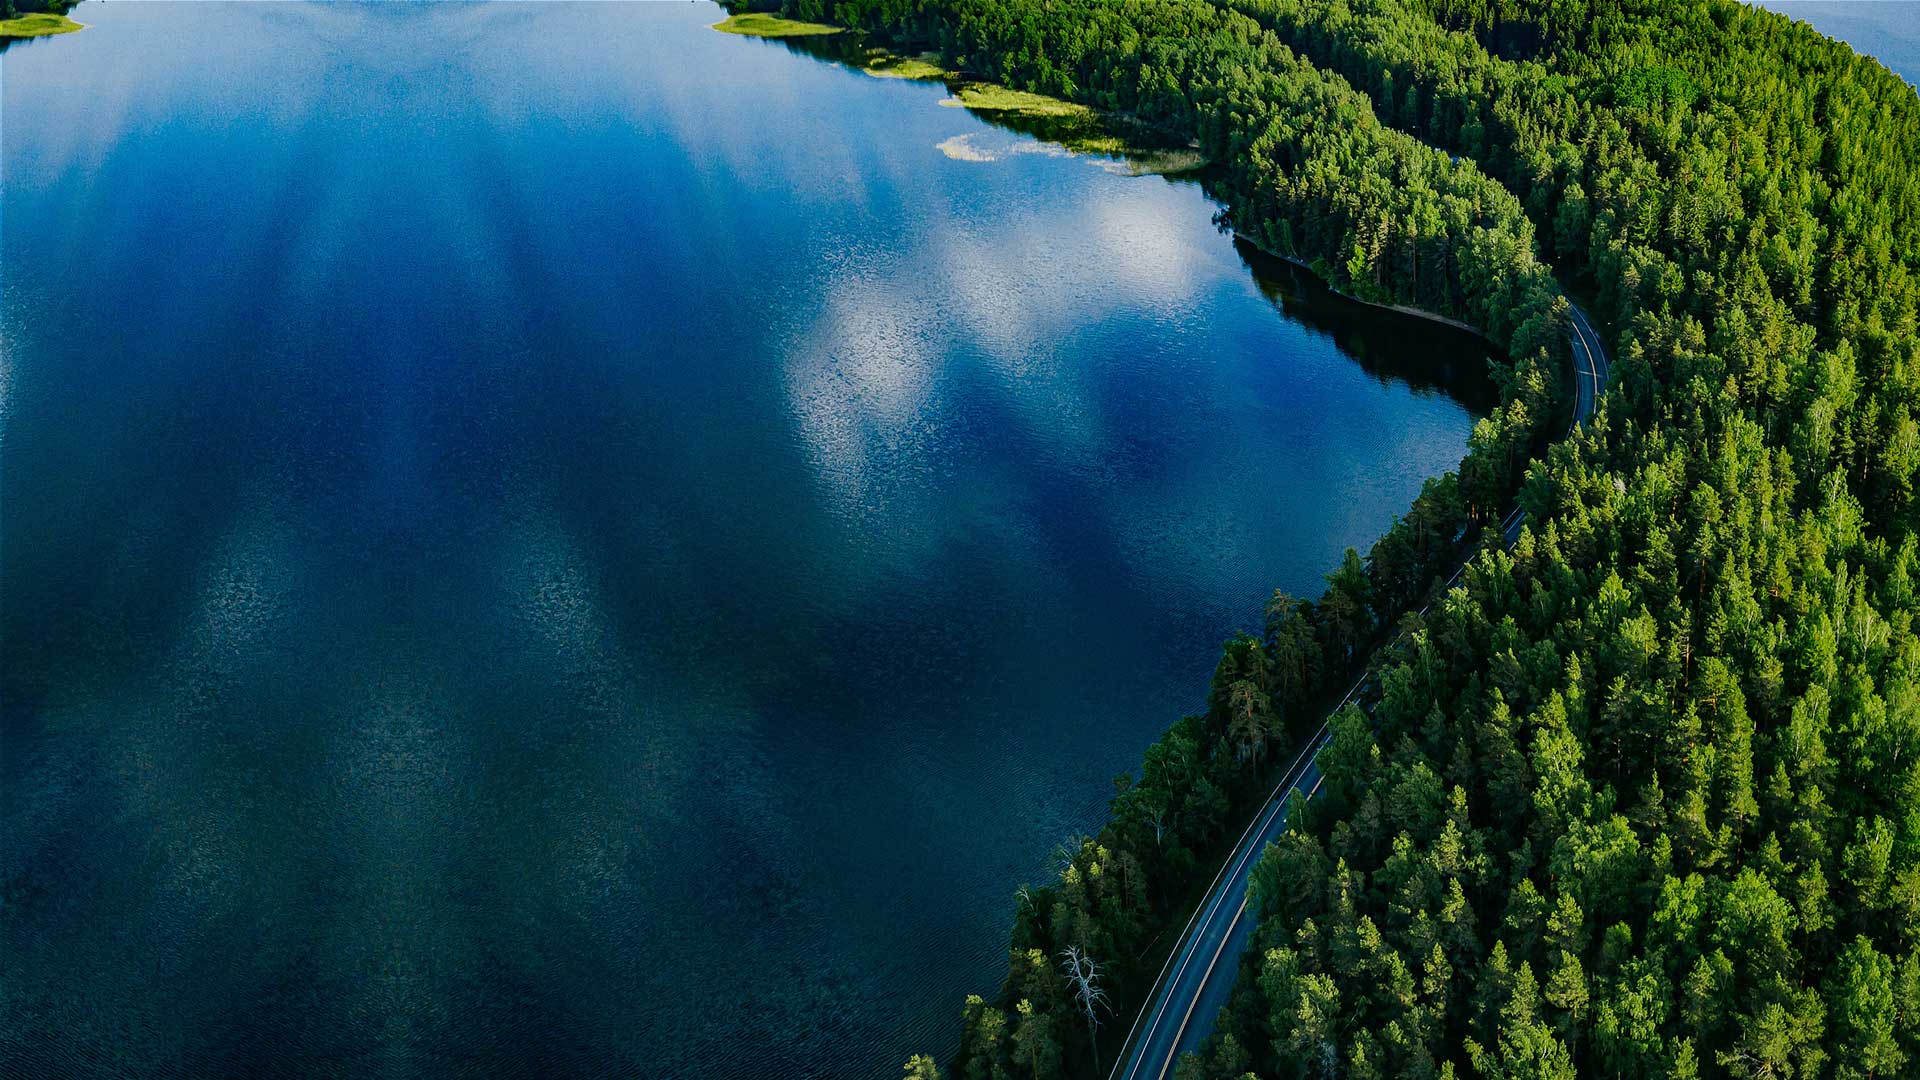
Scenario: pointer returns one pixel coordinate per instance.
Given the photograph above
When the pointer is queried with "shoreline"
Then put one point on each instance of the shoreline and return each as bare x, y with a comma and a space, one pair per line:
882, 62
1403, 309
1078, 127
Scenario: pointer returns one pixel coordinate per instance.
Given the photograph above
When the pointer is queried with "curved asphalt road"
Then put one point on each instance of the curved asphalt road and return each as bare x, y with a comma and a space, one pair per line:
1198, 978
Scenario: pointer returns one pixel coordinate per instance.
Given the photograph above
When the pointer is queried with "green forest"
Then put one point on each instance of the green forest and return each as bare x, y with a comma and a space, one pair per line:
1639, 796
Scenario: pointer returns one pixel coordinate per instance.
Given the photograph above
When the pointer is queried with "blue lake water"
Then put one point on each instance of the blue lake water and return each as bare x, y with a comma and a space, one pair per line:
542, 539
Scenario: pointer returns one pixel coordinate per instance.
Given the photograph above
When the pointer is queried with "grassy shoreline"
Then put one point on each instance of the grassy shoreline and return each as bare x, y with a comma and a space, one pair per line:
883, 64
761, 24
1081, 129
38, 24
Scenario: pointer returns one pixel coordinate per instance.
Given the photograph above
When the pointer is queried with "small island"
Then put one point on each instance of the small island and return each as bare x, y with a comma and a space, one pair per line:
38, 24
761, 24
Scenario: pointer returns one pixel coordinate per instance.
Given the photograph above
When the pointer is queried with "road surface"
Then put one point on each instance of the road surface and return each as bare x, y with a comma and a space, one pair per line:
1199, 976
1589, 378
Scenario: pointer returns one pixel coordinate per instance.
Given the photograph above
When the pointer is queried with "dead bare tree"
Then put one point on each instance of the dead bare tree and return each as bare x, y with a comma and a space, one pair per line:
1086, 992
1067, 850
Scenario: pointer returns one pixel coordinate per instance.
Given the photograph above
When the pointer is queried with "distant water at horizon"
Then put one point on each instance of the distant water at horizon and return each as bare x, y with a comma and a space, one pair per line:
544, 540
1887, 30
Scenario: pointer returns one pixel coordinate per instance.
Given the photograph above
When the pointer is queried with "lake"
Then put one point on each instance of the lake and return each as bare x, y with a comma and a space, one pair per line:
543, 539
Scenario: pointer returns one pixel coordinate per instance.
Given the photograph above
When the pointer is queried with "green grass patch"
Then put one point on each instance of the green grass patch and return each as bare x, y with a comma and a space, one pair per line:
1079, 128
990, 97
39, 24
888, 66
760, 24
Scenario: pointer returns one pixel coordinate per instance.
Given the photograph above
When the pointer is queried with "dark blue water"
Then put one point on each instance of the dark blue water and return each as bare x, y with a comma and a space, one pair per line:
543, 539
